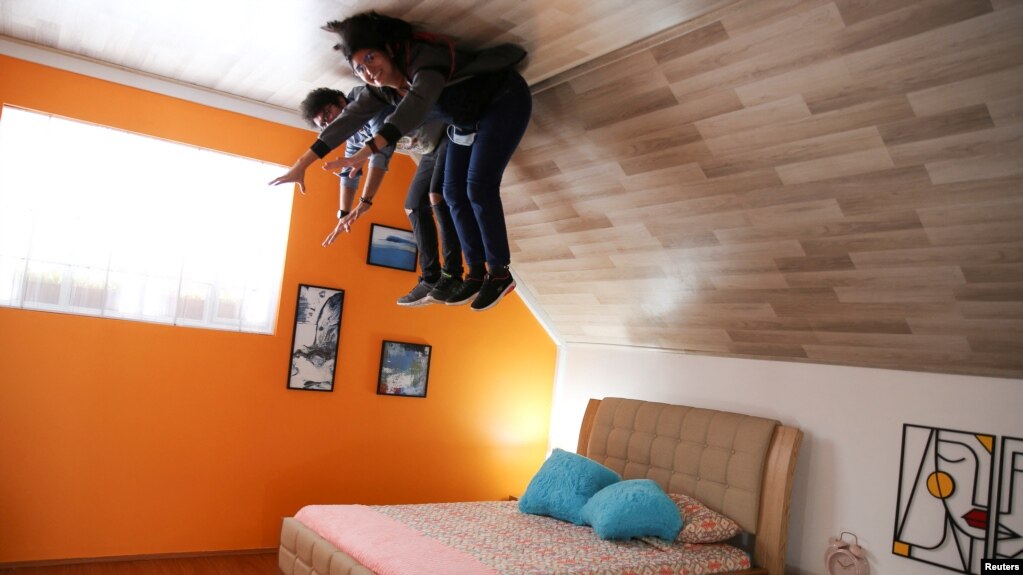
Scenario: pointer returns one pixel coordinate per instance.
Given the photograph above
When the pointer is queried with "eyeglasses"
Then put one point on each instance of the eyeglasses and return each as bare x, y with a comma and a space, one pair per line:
326, 116
360, 67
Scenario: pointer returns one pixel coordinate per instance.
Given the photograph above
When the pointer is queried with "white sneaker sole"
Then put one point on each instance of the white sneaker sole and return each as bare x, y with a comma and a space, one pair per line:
418, 303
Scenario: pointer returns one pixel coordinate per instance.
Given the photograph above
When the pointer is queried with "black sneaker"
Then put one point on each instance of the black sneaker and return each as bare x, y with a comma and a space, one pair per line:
419, 295
492, 291
466, 292
445, 288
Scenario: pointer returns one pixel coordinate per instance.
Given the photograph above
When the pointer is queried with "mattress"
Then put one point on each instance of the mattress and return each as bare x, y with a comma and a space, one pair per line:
492, 538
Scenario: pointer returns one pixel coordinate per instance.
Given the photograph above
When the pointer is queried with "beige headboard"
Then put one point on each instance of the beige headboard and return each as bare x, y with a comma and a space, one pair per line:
715, 456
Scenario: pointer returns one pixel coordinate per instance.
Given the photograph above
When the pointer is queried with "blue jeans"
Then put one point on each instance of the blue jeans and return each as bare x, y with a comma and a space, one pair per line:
472, 176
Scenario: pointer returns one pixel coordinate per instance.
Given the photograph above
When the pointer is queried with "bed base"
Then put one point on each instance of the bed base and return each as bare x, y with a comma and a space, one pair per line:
304, 552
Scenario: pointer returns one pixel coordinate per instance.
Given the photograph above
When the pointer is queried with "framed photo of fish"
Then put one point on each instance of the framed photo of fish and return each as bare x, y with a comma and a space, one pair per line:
314, 342
392, 248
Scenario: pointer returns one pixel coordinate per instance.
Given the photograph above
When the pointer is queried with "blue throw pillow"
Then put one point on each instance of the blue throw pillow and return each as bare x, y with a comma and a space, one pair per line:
564, 484
633, 508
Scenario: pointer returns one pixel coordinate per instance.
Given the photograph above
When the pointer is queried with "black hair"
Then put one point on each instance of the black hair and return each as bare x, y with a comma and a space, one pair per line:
368, 30
317, 100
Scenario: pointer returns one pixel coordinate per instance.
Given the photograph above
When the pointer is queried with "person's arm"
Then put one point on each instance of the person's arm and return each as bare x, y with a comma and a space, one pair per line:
353, 117
350, 176
347, 190
346, 199
374, 177
427, 85
379, 158
374, 146
429, 68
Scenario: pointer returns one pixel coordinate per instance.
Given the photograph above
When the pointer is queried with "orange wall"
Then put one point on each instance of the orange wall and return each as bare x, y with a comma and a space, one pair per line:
125, 438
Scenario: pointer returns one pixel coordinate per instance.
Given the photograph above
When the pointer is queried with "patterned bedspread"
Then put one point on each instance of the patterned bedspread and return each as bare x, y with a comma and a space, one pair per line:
513, 543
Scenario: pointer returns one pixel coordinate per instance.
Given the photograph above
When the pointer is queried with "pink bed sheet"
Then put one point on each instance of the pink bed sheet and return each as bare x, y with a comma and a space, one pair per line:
494, 538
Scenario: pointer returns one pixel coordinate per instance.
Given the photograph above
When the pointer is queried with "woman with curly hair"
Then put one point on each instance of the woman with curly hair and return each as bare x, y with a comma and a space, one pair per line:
483, 98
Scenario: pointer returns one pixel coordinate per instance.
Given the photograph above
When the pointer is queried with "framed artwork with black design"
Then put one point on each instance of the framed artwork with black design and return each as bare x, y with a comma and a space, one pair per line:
314, 341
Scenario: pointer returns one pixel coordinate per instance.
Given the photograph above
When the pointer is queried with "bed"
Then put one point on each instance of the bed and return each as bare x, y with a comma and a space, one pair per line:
738, 465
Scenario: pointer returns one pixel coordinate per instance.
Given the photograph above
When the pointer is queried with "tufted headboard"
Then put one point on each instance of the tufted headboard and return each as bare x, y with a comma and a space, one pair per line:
714, 456
739, 465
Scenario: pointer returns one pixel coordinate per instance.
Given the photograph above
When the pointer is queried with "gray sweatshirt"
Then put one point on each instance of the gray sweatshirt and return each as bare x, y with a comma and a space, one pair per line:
432, 74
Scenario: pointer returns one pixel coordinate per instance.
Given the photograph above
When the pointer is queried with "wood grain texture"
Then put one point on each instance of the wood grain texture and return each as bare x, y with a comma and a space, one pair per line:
281, 52
734, 177
240, 563
776, 497
826, 181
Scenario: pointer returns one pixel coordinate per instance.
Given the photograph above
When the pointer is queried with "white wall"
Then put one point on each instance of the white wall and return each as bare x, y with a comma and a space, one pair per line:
848, 471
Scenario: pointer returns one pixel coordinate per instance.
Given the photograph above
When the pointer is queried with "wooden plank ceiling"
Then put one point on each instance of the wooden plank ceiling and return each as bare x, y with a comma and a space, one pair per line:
834, 181
825, 181
273, 52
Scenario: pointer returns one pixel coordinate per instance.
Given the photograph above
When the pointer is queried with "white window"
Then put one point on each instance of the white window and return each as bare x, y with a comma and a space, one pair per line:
98, 221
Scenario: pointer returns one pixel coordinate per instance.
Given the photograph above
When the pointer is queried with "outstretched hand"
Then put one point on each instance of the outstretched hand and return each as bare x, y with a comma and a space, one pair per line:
341, 163
347, 221
334, 233
295, 175
344, 224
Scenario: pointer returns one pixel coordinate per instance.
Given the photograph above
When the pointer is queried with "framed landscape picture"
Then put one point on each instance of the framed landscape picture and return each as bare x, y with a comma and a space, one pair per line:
392, 248
404, 369
314, 342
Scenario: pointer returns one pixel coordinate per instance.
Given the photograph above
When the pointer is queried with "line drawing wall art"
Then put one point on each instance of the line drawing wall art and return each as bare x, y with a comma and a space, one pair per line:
1008, 542
946, 486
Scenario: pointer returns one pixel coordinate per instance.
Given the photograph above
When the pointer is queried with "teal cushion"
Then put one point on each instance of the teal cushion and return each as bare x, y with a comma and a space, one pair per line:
633, 508
564, 483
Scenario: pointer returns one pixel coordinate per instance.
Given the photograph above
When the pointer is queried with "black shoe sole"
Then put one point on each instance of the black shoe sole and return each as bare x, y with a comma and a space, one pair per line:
500, 296
468, 299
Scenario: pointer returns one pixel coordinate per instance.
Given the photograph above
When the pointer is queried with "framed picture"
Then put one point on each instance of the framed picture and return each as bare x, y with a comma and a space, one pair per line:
314, 342
392, 248
404, 369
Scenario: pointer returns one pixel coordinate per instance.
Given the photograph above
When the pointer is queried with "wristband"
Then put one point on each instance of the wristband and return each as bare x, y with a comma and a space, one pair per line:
363, 200
341, 214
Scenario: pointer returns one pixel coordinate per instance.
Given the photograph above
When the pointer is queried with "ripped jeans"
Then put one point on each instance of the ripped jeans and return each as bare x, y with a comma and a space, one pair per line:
428, 180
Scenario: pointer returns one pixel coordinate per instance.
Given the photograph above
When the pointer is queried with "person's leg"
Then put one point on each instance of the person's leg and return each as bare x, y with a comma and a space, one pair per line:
456, 196
500, 130
450, 247
423, 228
417, 208
451, 277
